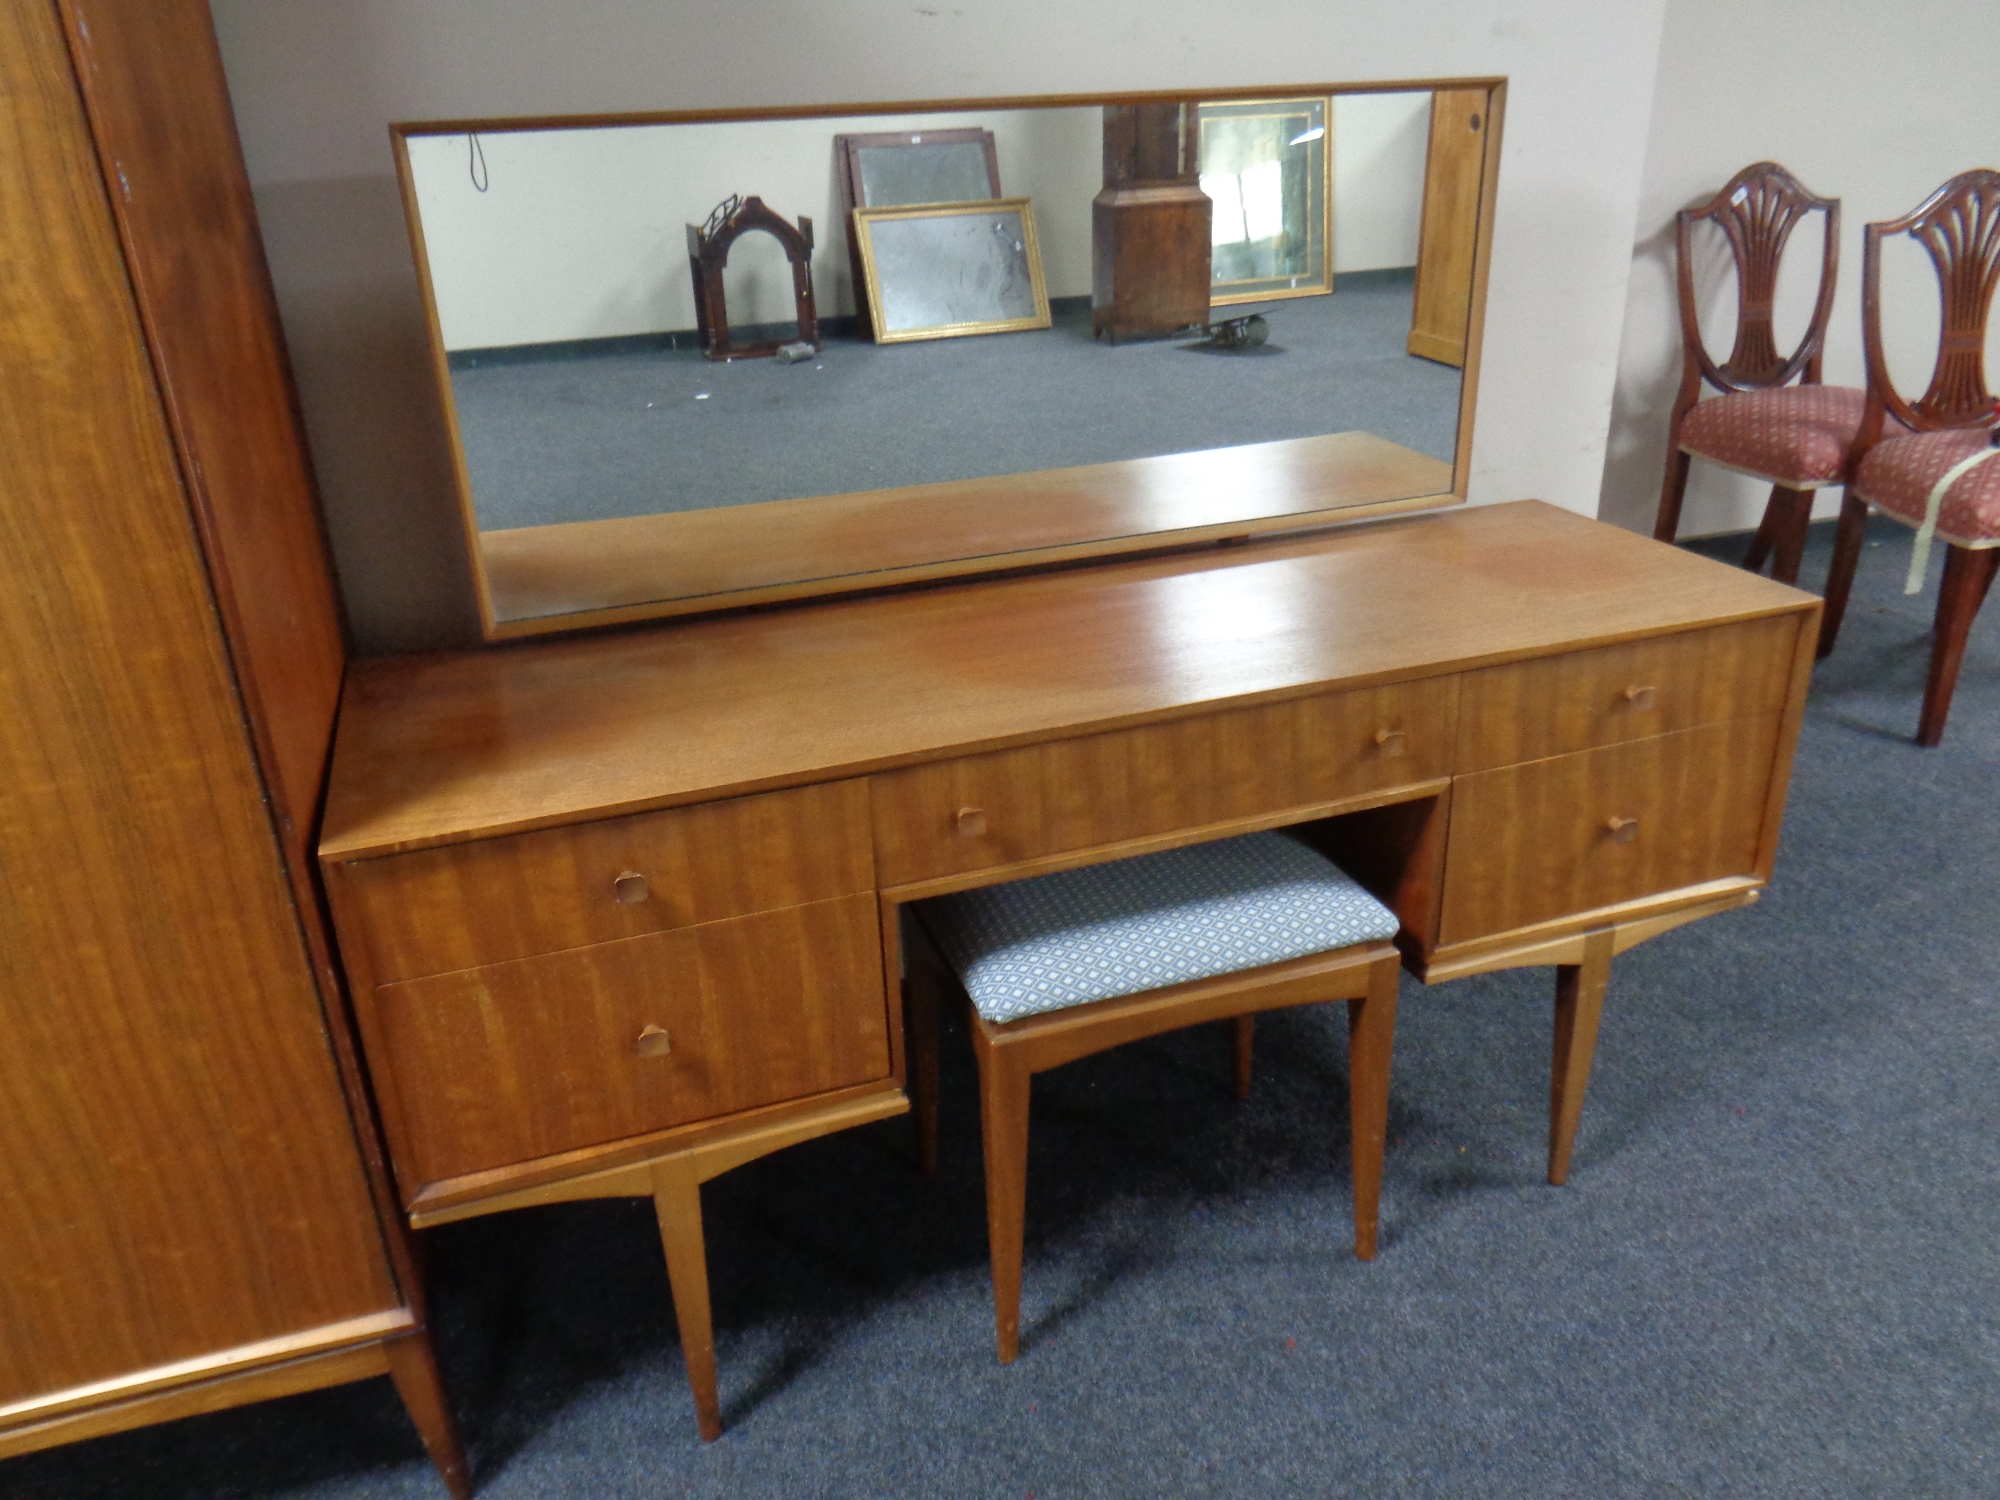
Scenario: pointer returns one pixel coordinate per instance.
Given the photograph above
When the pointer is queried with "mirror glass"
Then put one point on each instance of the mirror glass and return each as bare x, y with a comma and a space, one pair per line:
609, 470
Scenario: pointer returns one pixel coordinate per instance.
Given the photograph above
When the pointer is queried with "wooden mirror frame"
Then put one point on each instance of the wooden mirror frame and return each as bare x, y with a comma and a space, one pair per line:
597, 573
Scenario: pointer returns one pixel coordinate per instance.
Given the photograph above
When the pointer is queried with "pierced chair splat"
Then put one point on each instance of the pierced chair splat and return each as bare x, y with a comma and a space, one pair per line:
1931, 462
1796, 438
1057, 967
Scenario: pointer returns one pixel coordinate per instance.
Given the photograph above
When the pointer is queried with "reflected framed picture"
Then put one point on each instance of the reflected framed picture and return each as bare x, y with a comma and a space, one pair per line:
1267, 166
942, 270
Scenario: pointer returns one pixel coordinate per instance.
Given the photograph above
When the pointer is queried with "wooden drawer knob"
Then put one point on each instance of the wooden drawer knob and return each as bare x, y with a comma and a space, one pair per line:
653, 1042
1639, 697
1391, 742
631, 888
1622, 830
972, 822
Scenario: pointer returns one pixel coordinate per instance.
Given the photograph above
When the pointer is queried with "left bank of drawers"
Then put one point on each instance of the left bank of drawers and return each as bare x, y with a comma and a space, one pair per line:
547, 992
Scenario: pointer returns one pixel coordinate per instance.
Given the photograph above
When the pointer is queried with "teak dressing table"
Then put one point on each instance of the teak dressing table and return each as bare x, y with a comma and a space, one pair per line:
621, 912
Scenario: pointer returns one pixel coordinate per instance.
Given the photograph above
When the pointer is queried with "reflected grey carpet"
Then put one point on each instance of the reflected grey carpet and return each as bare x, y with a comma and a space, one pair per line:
632, 433
1773, 1272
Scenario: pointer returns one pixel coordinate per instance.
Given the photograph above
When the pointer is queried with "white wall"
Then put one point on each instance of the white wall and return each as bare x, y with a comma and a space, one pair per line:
1872, 104
1379, 144
580, 234
550, 235
316, 82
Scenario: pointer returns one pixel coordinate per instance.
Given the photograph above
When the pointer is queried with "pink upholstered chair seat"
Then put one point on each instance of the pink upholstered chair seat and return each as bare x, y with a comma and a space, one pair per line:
1794, 435
1899, 472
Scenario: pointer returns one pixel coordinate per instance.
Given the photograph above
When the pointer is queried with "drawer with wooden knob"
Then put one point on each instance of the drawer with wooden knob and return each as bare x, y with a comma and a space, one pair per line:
436, 910
514, 1061
1574, 833
1554, 705
985, 811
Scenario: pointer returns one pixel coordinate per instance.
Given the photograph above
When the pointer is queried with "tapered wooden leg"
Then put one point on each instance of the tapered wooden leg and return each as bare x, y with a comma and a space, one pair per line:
1967, 577
1579, 1003
677, 1203
1668, 520
1003, 1117
921, 1038
413, 1366
1840, 576
1371, 1039
1242, 1041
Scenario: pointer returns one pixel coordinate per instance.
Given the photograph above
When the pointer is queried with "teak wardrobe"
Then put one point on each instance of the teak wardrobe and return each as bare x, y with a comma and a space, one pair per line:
195, 1212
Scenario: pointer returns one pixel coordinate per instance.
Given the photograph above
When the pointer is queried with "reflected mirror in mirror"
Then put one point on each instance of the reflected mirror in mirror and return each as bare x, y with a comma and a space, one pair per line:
608, 470
1264, 166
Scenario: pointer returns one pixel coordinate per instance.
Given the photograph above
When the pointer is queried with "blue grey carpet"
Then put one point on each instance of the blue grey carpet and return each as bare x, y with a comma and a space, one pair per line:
1773, 1273
632, 433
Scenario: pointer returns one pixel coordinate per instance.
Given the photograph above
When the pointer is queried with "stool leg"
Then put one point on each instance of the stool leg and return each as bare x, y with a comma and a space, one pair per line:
920, 1000
677, 1204
1003, 1118
1579, 1003
1371, 1039
1242, 1039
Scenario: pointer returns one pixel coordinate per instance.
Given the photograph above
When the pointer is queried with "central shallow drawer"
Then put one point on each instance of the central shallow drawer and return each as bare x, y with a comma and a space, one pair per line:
1578, 832
479, 903
983, 811
520, 1060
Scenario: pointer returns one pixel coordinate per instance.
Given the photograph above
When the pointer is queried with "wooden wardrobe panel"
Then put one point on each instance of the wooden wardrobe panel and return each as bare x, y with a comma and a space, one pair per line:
1441, 319
167, 138
177, 1163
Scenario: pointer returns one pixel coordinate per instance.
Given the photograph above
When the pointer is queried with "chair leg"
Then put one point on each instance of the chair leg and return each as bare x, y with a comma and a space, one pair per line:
413, 1366
677, 1205
920, 1008
1003, 1118
1773, 533
1242, 1037
1840, 576
1579, 1003
1788, 532
1674, 489
1371, 1040
1967, 577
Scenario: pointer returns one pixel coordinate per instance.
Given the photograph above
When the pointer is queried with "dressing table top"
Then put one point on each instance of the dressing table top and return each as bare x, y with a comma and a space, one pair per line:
439, 749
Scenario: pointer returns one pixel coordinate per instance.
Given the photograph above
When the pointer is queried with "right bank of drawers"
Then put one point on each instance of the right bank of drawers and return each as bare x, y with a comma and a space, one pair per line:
1603, 776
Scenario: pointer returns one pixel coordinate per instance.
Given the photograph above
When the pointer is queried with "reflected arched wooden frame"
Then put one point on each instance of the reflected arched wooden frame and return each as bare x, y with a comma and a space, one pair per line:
582, 575
708, 253
1959, 227
1757, 210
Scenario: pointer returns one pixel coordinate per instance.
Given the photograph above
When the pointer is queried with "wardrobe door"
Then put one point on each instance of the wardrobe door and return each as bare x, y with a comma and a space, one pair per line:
189, 1221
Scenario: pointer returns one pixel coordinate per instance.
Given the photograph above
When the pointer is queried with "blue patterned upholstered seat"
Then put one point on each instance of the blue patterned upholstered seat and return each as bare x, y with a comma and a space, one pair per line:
1119, 928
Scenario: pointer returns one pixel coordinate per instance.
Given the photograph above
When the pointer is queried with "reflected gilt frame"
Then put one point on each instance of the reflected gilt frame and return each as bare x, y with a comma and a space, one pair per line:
867, 219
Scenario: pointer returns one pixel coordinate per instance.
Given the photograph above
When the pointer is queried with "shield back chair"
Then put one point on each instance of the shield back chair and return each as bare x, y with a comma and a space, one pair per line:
1793, 437
1059, 966
1935, 476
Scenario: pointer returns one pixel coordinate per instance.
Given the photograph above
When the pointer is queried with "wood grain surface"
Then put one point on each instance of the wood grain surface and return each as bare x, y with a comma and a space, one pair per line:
436, 749
1536, 841
1585, 699
481, 903
538, 1056
177, 1163
1105, 788
158, 107
540, 578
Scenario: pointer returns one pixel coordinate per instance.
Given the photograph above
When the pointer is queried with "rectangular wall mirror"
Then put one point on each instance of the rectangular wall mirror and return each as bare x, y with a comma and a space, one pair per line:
609, 471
